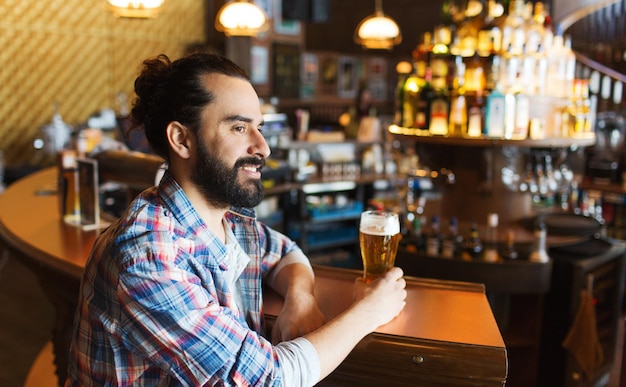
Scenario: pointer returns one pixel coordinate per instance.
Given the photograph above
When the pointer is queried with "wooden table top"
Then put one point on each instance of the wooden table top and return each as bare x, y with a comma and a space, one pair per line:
457, 312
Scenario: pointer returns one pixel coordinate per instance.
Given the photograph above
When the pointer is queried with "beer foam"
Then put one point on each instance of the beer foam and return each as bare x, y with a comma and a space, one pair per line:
380, 224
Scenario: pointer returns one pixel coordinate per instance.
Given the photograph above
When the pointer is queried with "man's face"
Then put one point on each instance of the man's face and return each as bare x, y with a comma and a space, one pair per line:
220, 182
230, 149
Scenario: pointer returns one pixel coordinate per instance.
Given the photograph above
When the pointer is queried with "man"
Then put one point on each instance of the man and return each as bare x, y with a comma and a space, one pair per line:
171, 294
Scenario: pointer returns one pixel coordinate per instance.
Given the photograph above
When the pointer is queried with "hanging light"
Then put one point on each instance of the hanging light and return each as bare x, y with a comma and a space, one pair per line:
378, 31
142, 9
241, 18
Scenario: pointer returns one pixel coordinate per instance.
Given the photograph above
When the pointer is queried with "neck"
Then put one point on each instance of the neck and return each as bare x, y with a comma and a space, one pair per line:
213, 221
210, 214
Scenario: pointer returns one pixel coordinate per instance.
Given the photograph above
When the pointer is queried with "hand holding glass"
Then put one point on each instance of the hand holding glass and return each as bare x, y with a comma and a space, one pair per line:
379, 235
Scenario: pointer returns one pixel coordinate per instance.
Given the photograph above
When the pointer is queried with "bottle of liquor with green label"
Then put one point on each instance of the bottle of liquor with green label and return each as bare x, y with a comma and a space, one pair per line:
426, 96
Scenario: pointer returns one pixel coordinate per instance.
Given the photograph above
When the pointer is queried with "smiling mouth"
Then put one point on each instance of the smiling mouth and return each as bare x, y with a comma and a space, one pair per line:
250, 164
251, 168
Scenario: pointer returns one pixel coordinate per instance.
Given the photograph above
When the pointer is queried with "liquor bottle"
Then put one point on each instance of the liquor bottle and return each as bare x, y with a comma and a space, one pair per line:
490, 35
579, 111
452, 245
528, 72
439, 110
536, 30
490, 253
421, 54
484, 44
458, 103
541, 71
404, 70
475, 117
521, 89
475, 74
556, 57
539, 252
434, 238
570, 64
407, 242
411, 212
509, 251
494, 114
440, 60
69, 202
473, 248
513, 31
493, 71
467, 32
425, 97
410, 99
419, 239
516, 111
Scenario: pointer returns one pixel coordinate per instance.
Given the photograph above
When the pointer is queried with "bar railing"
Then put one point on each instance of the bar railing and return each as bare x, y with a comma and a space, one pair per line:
598, 32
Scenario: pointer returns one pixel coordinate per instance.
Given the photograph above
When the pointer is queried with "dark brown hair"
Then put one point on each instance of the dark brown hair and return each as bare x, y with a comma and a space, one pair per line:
173, 91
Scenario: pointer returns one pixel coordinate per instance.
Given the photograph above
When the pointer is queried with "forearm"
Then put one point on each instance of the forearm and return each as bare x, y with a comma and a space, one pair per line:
336, 339
293, 279
300, 314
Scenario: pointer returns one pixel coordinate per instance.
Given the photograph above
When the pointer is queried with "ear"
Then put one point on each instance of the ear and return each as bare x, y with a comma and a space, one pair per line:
180, 139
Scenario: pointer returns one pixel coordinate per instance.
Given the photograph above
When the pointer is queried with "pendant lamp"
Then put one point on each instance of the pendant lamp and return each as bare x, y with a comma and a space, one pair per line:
378, 31
241, 18
142, 9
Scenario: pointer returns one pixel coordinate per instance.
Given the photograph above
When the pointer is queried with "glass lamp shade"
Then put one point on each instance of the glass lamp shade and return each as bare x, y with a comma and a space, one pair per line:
240, 18
136, 8
378, 32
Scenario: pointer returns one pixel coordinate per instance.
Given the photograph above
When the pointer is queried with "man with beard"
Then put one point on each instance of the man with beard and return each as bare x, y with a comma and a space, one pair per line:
171, 294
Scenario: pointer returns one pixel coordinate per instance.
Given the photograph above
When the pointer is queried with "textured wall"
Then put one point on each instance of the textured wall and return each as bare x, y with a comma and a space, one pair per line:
76, 53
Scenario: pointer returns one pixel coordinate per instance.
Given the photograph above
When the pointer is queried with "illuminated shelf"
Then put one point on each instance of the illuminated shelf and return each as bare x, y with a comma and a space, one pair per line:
555, 142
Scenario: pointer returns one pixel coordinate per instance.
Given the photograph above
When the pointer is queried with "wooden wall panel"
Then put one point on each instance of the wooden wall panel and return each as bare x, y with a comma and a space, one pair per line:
76, 53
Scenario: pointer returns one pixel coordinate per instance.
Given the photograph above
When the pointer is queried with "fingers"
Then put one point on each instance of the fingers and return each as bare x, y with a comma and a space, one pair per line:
395, 273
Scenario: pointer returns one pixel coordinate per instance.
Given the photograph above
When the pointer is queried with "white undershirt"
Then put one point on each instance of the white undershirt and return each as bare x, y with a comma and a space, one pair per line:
298, 357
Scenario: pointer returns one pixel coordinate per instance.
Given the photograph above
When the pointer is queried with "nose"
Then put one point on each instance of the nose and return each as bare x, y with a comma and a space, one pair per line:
259, 146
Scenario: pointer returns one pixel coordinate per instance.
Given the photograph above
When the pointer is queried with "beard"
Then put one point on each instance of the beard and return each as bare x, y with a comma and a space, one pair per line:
219, 183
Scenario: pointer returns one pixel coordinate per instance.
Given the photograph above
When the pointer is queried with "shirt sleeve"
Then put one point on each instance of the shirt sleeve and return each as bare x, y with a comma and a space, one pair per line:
300, 362
275, 246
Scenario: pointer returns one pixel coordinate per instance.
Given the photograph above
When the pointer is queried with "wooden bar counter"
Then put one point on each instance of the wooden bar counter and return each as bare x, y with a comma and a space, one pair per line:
446, 336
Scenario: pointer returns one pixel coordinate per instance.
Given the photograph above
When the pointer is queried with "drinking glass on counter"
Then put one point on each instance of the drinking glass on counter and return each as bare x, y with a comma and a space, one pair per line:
379, 235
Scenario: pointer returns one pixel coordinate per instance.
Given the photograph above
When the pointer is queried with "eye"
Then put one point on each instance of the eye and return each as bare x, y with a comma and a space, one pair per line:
240, 128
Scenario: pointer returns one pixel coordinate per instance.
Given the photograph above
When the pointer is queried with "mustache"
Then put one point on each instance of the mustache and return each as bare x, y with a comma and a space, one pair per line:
258, 161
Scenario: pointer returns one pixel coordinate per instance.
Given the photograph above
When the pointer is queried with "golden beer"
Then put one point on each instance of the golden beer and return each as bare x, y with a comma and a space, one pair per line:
379, 236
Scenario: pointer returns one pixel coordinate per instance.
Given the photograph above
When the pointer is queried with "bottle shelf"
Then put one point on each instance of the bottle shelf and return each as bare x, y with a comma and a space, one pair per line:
425, 137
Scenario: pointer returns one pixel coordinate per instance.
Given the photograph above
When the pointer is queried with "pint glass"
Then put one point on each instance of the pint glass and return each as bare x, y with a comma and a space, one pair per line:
379, 235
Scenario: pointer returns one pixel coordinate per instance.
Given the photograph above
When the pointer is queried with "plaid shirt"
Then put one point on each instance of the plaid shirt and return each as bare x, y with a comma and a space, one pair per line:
155, 308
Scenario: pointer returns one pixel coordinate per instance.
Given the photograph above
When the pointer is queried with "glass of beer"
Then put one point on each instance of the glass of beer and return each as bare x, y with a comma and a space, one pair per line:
379, 235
